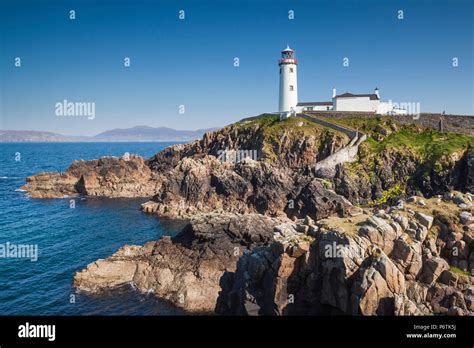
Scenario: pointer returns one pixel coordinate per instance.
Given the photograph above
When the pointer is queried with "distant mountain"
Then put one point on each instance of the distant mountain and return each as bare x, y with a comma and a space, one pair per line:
138, 133
7, 136
145, 133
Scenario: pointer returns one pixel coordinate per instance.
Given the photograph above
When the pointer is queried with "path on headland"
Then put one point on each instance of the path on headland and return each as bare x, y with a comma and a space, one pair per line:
323, 122
346, 154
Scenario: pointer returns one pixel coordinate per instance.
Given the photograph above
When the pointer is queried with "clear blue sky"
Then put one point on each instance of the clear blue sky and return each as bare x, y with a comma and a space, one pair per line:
190, 62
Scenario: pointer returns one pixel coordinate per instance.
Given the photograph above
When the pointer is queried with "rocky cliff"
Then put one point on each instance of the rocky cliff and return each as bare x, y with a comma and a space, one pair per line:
263, 220
403, 160
397, 261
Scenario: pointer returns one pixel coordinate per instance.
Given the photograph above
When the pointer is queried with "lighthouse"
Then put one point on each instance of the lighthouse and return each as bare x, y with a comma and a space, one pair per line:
288, 81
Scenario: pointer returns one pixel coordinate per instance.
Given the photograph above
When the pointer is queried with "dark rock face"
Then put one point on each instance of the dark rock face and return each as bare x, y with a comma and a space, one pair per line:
187, 179
128, 176
379, 270
197, 185
394, 167
468, 173
314, 200
186, 269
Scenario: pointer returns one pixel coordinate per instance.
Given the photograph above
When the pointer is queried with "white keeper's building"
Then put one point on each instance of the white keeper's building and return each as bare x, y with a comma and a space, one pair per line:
288, 102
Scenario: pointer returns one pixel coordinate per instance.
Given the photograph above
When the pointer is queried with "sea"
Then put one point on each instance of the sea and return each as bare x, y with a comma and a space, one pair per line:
69, 235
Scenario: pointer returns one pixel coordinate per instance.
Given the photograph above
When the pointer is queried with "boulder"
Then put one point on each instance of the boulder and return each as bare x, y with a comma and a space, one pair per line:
465, 218
432, 269
449, 278
424, 219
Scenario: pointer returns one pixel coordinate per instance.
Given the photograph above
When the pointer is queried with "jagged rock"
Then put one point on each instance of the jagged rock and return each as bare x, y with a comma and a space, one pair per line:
381, 233
371, 295
408, 257
432, 269
416, 292
421, 203
465, 217
185, 269
205, 184
469, 298
402, 221
404, 306
455, 311
108, 176
393, 277
308, 221
376, 285
461, 201
421, 233
424, 219
448, 278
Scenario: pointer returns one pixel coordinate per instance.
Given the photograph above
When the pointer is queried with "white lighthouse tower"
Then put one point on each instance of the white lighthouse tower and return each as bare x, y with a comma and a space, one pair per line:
288, 81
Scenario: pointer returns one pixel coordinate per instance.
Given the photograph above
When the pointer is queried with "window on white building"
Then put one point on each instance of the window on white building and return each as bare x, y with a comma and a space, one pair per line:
291, 87
291, 70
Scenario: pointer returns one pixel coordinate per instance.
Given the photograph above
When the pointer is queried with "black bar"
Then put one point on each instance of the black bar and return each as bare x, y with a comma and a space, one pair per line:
241, 330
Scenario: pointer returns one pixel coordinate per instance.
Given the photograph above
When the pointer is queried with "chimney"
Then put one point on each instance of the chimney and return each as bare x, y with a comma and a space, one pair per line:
376, 92
334, 92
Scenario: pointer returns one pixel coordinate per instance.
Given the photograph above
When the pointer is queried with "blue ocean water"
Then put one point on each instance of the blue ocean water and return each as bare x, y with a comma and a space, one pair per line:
69, 239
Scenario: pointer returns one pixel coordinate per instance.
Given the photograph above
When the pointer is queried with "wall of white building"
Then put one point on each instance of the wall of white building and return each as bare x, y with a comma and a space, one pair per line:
356, 104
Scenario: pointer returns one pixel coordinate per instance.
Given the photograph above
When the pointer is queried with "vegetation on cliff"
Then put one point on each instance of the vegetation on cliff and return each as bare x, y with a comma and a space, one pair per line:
384, 133
279, 141
396, 158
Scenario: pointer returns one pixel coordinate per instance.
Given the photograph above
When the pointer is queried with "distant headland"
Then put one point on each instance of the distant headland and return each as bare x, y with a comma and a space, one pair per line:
138, 133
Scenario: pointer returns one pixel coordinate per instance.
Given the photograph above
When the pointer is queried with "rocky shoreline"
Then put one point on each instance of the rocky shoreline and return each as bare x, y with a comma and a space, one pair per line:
273, 236
185, 270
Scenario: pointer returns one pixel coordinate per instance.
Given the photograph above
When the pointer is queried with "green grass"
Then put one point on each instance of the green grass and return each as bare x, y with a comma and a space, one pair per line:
365, 125
262, 120
394, 191
431, 148
272, 131
458, 271
431, 151
429, 145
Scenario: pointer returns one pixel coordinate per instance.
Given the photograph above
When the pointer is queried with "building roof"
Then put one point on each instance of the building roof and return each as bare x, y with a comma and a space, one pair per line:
313, 103
372, 96
287, 49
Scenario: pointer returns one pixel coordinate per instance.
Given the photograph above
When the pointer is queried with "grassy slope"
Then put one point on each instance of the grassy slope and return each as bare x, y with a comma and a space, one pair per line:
433, 150
273, 129
428, 144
